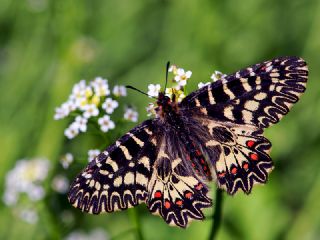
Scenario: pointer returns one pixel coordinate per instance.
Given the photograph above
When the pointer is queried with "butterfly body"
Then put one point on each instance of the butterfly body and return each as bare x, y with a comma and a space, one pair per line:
214, 134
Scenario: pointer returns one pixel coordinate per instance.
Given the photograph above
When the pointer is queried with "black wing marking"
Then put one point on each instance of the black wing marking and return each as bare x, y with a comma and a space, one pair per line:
260, 95
118, 178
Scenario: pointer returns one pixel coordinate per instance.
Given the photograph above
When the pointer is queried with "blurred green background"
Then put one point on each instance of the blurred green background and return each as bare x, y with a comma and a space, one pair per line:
47, 46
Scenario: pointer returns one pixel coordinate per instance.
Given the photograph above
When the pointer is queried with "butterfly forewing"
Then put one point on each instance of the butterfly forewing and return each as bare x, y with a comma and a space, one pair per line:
260, 95
118, 178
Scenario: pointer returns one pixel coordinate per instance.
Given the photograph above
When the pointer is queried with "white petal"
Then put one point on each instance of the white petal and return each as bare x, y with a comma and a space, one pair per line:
180, 71
188, 74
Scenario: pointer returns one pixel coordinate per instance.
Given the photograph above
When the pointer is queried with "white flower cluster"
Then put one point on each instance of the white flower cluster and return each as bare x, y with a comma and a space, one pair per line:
180, 79
97, 234
88, 101
26, 180
26, 177
214, 77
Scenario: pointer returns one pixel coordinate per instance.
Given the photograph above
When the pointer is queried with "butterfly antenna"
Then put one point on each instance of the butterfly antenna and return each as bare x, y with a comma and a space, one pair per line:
167, 72
136, 89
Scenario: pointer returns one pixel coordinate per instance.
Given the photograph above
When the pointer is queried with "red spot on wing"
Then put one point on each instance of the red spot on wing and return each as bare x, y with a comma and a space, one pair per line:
188, 195
234, 170
199, 186
254, 156
245, 166
198, 153
179, 202
157, 194
167, 204
222, 174
250, 143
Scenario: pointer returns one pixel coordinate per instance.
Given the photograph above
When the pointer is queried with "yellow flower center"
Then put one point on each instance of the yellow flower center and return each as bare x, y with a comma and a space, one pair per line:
95, 100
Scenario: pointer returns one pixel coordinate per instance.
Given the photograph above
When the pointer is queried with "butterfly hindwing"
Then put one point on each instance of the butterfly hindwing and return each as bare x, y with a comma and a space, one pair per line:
260, 95
175, 193
243, 159
236, 154
118, 178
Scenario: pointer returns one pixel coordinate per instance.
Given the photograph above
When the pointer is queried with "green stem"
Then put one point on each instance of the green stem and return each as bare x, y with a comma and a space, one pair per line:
216, 217
134, 215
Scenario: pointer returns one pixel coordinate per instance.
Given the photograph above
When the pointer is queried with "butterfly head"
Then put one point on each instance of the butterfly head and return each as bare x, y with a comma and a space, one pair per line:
165, 105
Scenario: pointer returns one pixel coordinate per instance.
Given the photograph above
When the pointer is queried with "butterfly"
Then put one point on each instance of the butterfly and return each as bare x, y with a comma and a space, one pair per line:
213, 134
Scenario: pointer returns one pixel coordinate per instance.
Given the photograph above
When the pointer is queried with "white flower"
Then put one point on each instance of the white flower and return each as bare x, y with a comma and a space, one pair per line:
64, 110
81, 103
81, 94
10, 197
92, 154
201, 84
173, 69
131, 115
150, 110
29, 216
100, 86
82, 123
119, 91
66, 160
35, 193
72, 131
59, 113
26, 177
217, 75
60, 184
106, 123
79, 90
109, 105
90, 110
153, 90
182, 76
